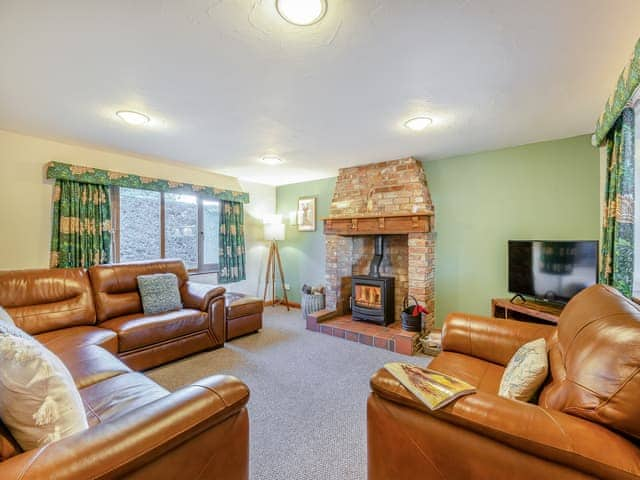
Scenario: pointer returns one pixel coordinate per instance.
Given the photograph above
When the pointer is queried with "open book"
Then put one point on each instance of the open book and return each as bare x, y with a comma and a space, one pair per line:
434, 389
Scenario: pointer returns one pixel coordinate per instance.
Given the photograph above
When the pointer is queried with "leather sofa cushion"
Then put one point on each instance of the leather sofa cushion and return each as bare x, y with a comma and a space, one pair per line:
483, 375
91, 364
119, 395
115, 286
65, 339
595, 360
138, 330
43, 300
239, 305
493, 339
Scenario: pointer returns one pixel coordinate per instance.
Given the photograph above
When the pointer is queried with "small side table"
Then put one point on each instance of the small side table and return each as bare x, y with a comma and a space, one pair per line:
525, 311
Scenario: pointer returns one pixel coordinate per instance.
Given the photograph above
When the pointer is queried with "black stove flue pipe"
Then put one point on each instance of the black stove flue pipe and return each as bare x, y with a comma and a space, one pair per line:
374, 267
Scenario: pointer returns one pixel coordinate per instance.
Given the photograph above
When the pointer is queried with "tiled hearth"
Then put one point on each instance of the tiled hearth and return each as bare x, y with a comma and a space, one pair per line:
391, 338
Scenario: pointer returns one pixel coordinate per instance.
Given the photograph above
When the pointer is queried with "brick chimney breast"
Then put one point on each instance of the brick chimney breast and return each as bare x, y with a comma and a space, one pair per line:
393, 187
386, 189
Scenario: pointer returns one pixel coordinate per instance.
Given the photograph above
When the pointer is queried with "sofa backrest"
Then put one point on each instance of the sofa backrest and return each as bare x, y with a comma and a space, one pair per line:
115, 287
47, 299
595, 360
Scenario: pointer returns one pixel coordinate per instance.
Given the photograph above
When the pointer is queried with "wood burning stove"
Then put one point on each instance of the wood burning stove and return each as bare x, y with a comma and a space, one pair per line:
372, 295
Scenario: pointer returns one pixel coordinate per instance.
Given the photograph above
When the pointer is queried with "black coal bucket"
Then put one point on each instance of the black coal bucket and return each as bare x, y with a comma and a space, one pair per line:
410, 323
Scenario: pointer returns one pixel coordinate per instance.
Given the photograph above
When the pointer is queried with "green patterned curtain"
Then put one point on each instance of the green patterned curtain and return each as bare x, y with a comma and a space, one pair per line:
616, 259
232, 254
628, 83
81, 233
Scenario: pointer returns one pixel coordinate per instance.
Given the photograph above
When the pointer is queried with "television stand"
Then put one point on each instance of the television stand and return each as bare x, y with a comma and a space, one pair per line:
527, 311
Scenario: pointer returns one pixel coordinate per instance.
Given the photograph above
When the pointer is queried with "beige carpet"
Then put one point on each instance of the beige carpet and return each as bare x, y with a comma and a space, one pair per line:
308, 396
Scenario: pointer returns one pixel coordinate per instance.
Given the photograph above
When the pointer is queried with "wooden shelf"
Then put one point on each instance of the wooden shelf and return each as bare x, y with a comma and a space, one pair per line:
526, 311
379, 224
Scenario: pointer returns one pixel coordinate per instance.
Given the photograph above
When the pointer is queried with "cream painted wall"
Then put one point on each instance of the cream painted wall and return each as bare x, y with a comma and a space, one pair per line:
25, 198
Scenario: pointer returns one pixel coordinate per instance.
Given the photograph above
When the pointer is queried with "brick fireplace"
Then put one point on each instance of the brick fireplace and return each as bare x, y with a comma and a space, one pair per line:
390, 199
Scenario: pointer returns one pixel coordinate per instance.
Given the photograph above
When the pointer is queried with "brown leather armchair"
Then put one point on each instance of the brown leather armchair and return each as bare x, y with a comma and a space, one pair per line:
585, 425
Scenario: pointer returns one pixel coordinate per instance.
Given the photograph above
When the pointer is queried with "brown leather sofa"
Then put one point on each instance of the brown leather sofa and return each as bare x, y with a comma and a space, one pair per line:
137, 429
585, 425
145, 341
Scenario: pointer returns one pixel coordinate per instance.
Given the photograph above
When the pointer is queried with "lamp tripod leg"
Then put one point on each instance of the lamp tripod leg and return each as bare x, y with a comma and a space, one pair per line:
284, 290
268, 272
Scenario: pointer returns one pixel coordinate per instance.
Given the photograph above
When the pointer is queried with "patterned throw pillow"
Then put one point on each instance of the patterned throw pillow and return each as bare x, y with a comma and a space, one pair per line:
526, 371
159, 293
39, 401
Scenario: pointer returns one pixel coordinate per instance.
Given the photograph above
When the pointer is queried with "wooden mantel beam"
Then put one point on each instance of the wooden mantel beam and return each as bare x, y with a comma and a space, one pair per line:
389, 224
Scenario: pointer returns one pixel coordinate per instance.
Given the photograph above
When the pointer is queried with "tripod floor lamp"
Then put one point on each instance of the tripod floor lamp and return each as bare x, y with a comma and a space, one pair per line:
274, 231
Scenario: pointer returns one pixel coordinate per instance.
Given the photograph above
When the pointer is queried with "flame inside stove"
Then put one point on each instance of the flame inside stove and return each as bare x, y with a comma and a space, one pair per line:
368, 296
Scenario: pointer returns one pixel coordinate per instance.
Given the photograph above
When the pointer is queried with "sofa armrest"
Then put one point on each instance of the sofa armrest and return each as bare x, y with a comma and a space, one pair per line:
217, 321
199, 295
131, 442
492, 339
544, 433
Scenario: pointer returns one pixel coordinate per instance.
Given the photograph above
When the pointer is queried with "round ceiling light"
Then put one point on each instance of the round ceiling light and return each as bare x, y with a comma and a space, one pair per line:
302, 12
271, 160
417, 124
133, 118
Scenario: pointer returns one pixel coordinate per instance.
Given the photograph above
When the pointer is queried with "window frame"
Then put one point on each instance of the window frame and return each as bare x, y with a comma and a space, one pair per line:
201, 269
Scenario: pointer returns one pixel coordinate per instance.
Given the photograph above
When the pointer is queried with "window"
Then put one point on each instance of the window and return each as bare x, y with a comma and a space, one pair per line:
181, 228
150, 225
139, 225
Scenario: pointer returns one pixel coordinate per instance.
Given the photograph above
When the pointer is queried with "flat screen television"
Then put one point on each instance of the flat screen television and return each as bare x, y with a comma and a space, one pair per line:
552, 270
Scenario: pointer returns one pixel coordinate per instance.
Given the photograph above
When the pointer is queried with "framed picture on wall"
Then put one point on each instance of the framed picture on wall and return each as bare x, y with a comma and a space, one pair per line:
307, 214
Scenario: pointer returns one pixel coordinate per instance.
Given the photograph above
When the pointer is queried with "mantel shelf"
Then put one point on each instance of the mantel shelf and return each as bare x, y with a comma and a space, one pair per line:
428, 213
377, 224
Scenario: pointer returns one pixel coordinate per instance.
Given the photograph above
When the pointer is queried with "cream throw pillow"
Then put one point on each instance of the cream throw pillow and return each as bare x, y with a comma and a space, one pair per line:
526, 371
39, 402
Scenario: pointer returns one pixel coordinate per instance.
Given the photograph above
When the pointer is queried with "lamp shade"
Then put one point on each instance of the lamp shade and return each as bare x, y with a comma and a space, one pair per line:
274, 231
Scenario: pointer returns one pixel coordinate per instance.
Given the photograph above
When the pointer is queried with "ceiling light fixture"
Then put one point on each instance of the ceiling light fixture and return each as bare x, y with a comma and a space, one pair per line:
133, 118
417, 124
302, 12
272, 160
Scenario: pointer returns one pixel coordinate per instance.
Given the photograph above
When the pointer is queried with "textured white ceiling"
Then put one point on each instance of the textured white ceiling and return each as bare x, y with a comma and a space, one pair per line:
226, 81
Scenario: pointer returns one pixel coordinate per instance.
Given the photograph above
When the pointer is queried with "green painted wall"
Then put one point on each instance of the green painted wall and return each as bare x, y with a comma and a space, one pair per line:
546, 190
303, 252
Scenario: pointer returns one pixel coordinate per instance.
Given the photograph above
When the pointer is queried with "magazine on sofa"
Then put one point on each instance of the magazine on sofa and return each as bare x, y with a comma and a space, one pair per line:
434, 389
